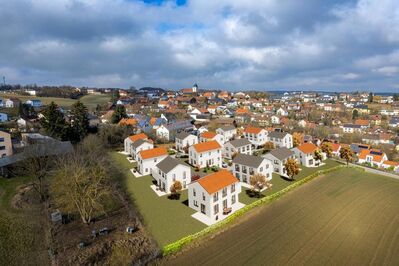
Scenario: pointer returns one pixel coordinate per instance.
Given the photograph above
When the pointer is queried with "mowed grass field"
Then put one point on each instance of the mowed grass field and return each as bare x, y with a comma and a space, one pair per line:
347, 217
21, 234
90, 101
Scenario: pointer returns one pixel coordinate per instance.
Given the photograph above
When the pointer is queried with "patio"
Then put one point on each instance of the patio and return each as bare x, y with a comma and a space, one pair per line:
203, 218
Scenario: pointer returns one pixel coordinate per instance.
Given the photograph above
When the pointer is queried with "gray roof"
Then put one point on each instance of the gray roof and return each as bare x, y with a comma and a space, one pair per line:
167, 164
227, 128
248, 160
278, 135
239, 142
282, 153
182, 135
138, 142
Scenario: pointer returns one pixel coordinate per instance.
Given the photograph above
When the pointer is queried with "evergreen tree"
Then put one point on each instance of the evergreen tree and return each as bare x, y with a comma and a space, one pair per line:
370, 97
79, 121
119, 113
115, 96
53, 122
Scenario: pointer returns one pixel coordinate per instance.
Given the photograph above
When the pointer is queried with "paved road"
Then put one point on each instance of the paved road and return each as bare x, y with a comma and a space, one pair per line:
372, 170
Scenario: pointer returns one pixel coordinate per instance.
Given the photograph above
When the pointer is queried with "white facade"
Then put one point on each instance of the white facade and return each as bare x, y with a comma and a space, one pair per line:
219, 138
257, 139
228, 134
211, 157
285, 141
147, 166
162, 133
229, 150
212, 205
180, 173
188, 141
244, 172
275, 120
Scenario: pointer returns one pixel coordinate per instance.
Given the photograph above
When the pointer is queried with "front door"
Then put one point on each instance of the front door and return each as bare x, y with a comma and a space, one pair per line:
225, 204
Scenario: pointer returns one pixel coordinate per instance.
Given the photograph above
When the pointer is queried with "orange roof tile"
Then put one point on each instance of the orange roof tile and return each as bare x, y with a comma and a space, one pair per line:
217, 181
391, 163
207, 146
208, 135
362, 122
307, 148
136, 137
153, 120
376, 158
128, 121
254, 130
335, 146
242, 111
151, 153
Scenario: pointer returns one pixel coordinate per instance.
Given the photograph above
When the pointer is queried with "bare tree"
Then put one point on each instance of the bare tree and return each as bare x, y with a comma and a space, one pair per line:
81, 182
257, 181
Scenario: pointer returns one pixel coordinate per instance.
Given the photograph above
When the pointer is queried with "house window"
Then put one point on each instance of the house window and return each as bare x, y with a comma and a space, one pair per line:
159, 171
224, 192
146, 170
203, 208
203, 196
261, 169
184, 175
194, 194
215, 197
155, 160
1, 139
216, 209
195, 203
233, 188
233, 198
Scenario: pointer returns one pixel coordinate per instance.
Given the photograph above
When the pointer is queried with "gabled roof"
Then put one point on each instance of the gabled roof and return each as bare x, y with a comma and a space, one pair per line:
127, 121
168, 164
183, 135
282, 153
248, 160
227, 128
207, 146
156, 152
307, 148
239, 142
139, 142
208, 135
136, 137
254, 130
376, 155
214, 182
277, 135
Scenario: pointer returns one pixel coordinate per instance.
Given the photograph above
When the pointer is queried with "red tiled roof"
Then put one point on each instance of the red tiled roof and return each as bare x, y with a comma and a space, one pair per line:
136, 137
151, 153
208, 135
207, 146
307, 148
254, 130
217, 181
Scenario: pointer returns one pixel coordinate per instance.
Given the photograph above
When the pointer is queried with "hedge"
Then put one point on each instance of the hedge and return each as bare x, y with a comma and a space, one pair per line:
179, 244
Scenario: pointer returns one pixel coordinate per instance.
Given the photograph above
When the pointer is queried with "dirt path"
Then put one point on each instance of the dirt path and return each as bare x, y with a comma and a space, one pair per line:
346, 218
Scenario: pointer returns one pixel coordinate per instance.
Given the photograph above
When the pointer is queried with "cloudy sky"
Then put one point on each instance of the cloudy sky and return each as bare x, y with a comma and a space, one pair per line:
229, 44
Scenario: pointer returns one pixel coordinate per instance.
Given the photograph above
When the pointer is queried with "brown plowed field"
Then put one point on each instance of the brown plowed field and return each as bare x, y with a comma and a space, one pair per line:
347, 217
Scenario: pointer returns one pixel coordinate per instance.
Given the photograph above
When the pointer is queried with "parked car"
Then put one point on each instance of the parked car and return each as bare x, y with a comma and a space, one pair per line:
224, 165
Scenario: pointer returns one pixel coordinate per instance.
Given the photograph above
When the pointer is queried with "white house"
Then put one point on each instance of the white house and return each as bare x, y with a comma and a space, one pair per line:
148, 159
206, 154
12, 102
305, 154
209, 136
215, 195
242, 145
130, 140
228, 132
275, 120
245, 166
257, 136
278, 158
282, 112
170, 170
351, 128
140, 145
184, 140
280, 139
373, 157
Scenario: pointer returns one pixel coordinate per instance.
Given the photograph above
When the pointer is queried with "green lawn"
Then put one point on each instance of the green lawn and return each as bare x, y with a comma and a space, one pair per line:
21, 235
167, 220
279, 183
